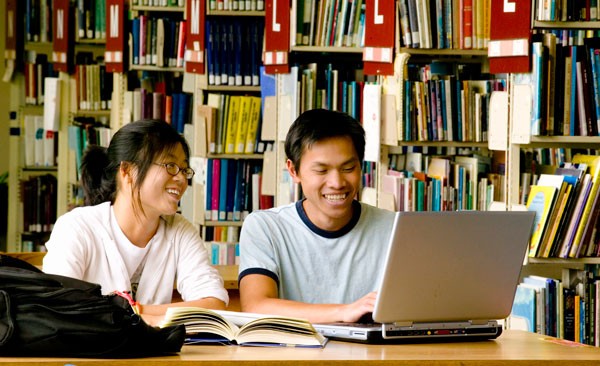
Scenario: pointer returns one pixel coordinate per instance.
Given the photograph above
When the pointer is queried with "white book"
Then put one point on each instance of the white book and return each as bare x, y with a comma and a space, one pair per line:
51, 104
29, 139
39, 141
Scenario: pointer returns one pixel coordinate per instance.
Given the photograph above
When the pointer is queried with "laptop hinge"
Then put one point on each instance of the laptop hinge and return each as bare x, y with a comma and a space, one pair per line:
479, 321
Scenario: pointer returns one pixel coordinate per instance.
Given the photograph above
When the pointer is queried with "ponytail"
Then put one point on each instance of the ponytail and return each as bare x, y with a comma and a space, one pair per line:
97, 176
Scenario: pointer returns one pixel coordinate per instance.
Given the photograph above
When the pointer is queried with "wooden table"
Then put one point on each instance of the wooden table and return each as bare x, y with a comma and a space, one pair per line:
511, 348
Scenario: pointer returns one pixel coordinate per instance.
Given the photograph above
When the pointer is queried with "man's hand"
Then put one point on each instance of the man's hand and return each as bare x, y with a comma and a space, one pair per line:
353, 312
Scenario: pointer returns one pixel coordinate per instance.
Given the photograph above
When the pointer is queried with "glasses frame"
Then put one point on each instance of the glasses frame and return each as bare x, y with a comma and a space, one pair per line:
188, 172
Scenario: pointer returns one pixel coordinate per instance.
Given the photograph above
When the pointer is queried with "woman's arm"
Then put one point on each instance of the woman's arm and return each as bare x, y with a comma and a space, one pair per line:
154, 314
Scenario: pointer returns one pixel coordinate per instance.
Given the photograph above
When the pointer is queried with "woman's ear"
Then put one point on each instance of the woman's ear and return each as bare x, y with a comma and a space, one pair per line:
126, 173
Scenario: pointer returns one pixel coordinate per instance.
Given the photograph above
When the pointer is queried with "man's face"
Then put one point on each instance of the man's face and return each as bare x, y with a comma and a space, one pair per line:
330, 176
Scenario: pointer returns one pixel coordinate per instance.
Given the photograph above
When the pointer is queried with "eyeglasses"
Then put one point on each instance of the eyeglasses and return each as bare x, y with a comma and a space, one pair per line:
174, 169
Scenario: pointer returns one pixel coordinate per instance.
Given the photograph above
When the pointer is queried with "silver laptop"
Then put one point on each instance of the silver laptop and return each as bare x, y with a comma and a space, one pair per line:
447, 275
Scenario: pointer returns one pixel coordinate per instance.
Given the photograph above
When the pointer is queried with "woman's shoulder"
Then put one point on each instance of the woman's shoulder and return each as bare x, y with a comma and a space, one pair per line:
90, 214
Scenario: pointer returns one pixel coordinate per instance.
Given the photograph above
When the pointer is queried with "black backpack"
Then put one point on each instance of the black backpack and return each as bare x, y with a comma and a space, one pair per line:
50, 315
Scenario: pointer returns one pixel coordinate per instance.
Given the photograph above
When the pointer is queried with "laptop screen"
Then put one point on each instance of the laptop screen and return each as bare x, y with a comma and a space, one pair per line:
452, 266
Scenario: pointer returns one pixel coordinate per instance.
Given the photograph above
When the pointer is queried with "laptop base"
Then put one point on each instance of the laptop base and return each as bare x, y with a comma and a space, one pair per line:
421, 333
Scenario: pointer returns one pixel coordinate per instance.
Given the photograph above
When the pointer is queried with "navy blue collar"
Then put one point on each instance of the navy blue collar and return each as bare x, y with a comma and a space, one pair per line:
356, 210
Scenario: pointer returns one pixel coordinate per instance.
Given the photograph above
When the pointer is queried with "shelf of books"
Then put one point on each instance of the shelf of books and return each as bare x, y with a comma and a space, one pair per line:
554, 170
225, 136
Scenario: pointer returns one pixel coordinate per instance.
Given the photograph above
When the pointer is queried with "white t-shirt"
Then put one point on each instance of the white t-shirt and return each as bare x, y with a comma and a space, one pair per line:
312, 265
82, 245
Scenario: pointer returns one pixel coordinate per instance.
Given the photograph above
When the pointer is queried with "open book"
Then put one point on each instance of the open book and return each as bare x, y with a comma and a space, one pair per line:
230, 327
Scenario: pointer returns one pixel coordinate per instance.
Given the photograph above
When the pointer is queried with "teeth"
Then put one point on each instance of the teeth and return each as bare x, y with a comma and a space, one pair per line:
335, 197
173, 191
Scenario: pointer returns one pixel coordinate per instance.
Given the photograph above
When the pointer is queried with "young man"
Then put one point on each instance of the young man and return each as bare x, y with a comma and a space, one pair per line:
318, 258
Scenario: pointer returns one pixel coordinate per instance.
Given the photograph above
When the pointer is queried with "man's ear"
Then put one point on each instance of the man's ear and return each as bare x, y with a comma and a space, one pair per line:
292, 170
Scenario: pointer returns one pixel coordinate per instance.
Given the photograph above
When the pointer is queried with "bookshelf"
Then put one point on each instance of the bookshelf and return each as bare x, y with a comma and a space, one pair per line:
555, 125
227, 119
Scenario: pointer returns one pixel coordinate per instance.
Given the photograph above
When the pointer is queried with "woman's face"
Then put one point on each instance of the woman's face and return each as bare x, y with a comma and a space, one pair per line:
160, 192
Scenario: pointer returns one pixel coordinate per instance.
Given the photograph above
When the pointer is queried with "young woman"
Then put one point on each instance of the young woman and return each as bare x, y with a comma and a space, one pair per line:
129, 237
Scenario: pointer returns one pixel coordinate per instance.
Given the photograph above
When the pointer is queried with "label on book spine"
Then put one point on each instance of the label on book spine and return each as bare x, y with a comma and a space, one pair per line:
194, 50
277, 30
60, 45
380, 20
115, 35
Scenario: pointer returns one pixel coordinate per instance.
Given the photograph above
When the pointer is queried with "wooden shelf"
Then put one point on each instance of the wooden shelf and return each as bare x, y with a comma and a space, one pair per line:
222, 223
563, 261
39, 47
40, 168
174, 9
331, 49
36, 109
235, 156
91, 41
444, 51
563, 141
236, 13
86, 113
230, 276
566, 25
155, 68
483, 144
233, 88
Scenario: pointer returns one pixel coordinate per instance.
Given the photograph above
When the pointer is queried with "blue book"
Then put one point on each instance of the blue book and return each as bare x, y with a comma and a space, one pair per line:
256, 50
238, 200
231, 184
573, 100
182, 115
459, 117
223, 190
135, 35
268, 87
230, 53
208, 186
442, 108
175, 109
238, 47
216, 51
210, 62
223, 30
550, 303
407, 112
537, 73
522, 315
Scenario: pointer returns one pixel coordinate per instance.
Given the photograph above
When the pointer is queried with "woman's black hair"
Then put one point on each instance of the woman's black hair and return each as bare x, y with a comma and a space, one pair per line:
138, 144
318, 124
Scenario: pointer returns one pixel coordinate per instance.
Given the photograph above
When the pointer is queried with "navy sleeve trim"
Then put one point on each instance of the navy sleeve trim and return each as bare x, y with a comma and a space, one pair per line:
260, 271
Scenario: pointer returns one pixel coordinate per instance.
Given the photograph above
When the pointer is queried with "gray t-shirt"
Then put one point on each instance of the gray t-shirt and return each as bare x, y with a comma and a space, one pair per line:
313, 265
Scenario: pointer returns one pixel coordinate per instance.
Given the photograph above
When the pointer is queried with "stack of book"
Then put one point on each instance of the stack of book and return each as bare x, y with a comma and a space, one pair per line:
565, 309
445, 24
567, 210
234, 51
324, 23
157, 41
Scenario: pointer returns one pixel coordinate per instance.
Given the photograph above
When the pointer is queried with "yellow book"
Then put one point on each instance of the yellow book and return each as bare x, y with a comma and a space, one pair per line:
555, 219
232, 120
254, 122
593, 162
540, 201
242, 125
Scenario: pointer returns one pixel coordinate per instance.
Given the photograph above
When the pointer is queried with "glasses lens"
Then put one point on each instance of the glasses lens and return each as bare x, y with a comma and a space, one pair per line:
172, 168
188, 172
